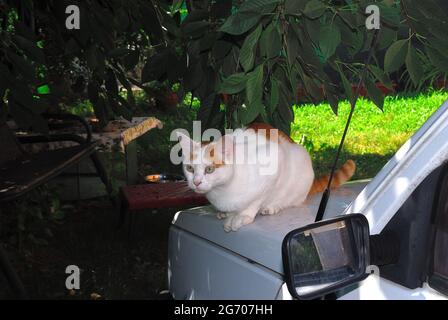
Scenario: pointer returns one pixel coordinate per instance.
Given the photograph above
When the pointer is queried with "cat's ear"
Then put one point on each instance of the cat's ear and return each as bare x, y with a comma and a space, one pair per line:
186, 143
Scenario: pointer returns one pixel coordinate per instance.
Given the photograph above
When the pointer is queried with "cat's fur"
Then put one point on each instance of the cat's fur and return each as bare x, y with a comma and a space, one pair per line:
240, 191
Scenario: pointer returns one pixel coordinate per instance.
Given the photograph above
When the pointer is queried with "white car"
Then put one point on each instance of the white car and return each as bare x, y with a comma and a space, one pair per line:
401, 236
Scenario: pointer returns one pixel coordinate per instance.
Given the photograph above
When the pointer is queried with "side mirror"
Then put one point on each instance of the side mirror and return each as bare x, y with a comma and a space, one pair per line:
326, 256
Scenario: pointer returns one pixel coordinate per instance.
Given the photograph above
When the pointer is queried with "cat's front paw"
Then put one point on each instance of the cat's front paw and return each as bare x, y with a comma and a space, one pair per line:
235, 222
269, 211
222, 215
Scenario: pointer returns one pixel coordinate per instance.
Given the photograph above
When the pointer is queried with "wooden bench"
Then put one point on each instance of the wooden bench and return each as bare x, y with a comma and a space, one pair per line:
174, 194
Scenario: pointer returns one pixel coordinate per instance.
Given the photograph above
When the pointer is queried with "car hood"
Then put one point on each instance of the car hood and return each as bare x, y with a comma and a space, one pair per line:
261, 241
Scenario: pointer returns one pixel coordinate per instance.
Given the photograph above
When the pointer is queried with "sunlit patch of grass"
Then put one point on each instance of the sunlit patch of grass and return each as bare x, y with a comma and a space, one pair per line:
373, 134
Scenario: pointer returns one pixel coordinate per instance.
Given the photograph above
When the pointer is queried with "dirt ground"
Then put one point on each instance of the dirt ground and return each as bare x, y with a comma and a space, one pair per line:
112, 266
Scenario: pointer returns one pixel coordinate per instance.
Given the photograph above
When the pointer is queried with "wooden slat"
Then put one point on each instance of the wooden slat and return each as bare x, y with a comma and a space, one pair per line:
161, 195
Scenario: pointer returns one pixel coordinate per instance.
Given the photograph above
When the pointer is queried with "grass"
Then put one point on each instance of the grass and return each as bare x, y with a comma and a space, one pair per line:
373, 136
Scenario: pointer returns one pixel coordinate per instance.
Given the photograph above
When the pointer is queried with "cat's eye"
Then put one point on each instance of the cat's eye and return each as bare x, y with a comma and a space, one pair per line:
209, 169
189, 168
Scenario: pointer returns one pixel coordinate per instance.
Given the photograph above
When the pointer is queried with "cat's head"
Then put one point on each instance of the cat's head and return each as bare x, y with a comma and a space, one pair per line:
206, 165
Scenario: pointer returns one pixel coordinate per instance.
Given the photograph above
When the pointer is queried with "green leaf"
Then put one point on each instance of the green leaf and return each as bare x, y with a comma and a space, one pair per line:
386, 38
154, 68
414, 66
395, 56
193, 76
347, 87
196, 29
294, 6
254, 86
311, 88
247, 52
374, 93
233, 84
351, 38
314, 9
262, 6
312, 28
45, 89
284, 107
390, 14
230, 63
248, 113
330, 38
349, 18
207, 41
206, 109
437, 59
239, 23
270, 41
220, 49
279, 123
381, 76
274, 94
334, 102
293, 46
177, 67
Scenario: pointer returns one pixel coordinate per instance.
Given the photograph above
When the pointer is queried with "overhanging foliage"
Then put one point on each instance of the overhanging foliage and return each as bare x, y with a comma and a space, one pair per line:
244, 60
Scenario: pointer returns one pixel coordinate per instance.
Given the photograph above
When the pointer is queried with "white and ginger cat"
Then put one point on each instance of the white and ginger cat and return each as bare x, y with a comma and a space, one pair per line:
240, 190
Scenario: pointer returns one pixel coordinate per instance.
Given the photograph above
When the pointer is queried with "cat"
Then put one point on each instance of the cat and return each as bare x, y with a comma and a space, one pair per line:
240, 190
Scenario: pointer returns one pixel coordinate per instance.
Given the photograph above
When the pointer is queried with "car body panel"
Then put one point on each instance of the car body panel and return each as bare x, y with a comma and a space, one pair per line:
261, 241
214, 272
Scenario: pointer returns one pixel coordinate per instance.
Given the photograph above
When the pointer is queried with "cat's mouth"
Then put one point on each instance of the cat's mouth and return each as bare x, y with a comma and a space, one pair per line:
198, 190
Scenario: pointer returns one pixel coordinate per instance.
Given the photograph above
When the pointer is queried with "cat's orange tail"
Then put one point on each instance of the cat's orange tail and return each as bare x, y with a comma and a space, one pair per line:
340, 176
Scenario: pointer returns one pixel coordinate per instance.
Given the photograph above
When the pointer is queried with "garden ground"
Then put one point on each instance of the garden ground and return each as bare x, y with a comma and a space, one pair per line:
112, 267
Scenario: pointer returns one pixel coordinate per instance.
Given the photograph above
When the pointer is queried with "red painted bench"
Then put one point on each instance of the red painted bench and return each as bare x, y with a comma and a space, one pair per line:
157, 196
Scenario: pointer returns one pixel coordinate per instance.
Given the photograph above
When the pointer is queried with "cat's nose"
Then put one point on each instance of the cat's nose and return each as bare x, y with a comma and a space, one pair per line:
197, 182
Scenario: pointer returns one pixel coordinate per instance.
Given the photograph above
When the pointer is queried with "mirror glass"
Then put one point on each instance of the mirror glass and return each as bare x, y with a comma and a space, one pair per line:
327, 254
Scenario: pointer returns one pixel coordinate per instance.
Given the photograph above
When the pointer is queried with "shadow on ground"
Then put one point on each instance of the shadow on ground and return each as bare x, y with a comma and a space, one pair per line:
111, 266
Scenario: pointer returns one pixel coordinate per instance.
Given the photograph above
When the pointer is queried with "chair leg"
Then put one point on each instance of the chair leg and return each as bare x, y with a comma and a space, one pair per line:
101, 172
11, 275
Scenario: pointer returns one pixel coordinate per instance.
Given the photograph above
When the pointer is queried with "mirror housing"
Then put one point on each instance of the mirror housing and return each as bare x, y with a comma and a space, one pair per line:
326, 256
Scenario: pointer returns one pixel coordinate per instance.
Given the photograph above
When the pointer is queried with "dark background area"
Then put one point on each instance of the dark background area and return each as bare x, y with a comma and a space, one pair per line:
112, 265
